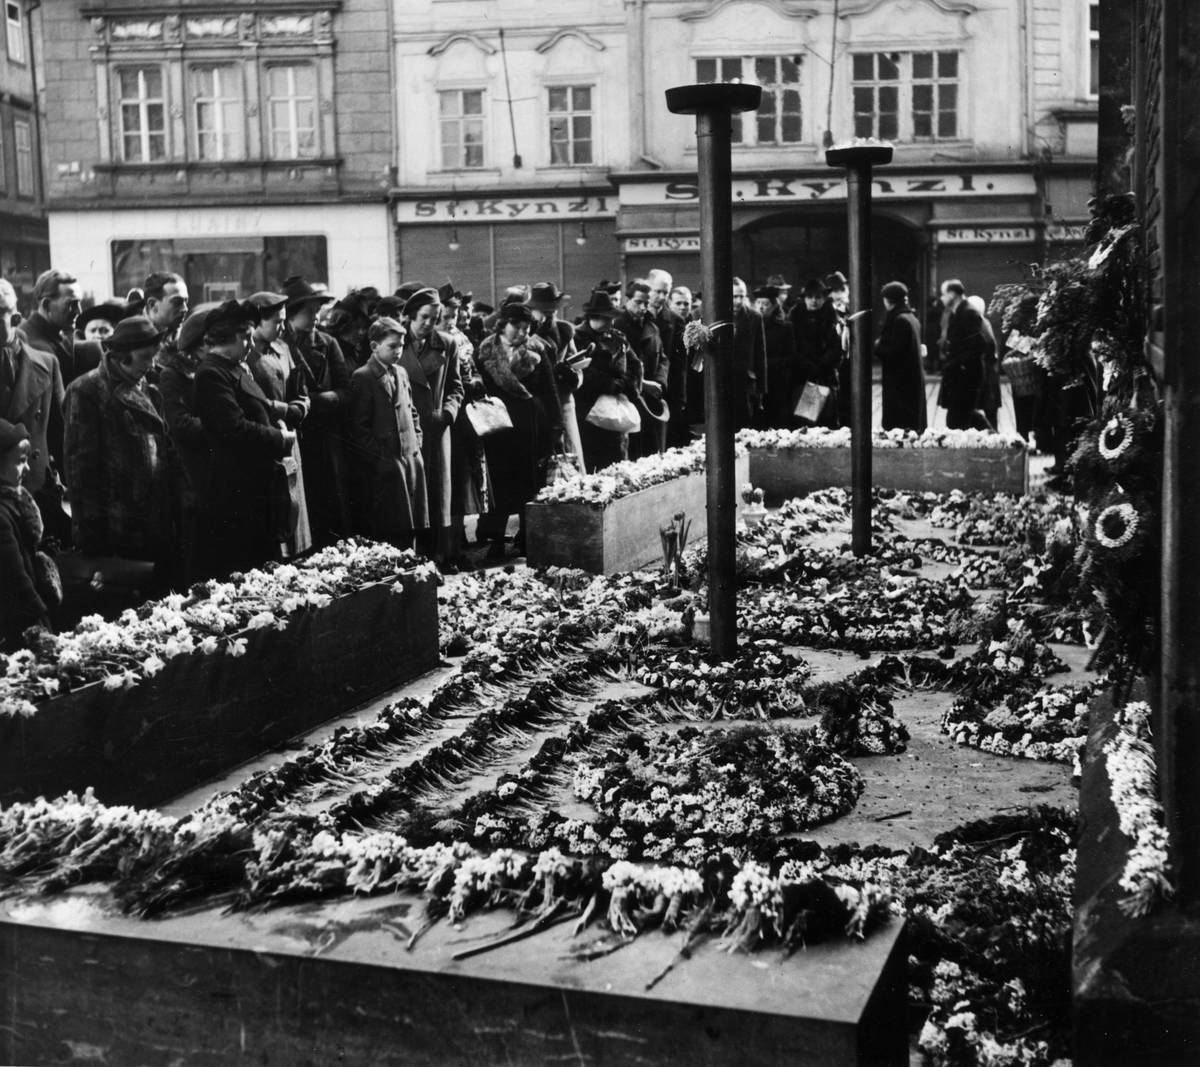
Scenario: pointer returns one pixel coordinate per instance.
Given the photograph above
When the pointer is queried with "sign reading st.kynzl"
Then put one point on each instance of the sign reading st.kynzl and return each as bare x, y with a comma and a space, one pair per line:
774, 188
469, 207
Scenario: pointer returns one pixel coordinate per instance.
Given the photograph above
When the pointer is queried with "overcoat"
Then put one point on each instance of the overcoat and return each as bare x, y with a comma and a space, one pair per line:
74, 358
36, 399
560, 334
433, 372
237, 528
670, 328
898, 348
385, 437
117, 466
614, 370
781, 368
962, 369
523, 378
21, 601
749, 364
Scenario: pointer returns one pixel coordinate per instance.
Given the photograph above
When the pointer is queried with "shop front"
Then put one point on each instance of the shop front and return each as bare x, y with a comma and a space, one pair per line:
224, 252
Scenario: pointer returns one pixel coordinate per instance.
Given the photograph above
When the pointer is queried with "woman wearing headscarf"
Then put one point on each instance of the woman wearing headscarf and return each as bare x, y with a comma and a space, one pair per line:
519, 370
899, 350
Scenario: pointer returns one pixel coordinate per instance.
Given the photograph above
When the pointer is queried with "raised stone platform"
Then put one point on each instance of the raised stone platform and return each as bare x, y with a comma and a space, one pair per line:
203, 714
786, 473
623, 535
333, 983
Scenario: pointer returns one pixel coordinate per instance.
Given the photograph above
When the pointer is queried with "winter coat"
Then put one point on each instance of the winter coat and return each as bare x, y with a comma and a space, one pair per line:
325, 378
616, 370
670, 328
177, 390
36, 399
818, 344
898, 348
781, 368
238, 522
74, 358
469, 480
433, 371
117, 467
23, 601
962, 367
385, 453
523, 378
750, 380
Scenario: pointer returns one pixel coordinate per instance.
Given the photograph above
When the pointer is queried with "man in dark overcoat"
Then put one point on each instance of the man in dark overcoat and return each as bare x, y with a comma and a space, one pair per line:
781, 357
56, 296
637, 324
430, 359
670, 329
962, 360
750, 380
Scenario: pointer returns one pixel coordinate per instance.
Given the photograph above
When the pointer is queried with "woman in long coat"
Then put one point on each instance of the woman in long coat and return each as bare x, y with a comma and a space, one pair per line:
385, 437
430, 359
25, 599
239, 523
899, 349
518, 369
614, 370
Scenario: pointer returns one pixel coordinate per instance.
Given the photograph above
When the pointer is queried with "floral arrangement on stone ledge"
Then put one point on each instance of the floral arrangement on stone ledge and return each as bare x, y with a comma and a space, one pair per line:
823, 437
628, 476
208, 620
1131, 767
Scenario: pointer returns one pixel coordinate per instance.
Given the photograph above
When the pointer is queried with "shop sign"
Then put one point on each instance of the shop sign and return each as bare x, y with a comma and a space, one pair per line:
661, 244
763, 192
986, 235
485, 208
1058, 231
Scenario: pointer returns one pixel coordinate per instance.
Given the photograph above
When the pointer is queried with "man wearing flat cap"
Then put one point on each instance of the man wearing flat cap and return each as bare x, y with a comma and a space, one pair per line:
117, 461
430, 359
326, 378
247, 509
781, 356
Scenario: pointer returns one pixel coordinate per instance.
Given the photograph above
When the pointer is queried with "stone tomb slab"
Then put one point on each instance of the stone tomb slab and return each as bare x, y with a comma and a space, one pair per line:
332, 982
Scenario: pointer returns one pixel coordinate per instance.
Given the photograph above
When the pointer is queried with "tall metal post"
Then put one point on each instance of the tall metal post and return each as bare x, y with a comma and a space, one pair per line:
713, 105
858, 159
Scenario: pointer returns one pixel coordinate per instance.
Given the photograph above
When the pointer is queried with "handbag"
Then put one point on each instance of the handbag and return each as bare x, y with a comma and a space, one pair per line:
810, 401
49, 581
615, 412
488, 416
285, 498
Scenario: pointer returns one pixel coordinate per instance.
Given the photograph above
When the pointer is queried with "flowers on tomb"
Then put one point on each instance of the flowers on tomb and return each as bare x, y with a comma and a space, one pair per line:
823, 437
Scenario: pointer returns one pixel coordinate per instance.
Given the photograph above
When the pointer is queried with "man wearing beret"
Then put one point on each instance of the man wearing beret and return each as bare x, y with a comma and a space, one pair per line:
116, 458
326, 377
430, 359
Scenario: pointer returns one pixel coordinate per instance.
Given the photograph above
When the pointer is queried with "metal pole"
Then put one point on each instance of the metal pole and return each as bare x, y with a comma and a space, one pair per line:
858, 160
712, 105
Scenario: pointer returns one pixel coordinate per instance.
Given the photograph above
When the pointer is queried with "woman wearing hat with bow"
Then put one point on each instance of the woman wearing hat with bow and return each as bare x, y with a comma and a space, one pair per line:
430, 359
242, 524
518, 369
29, 586
116, 458
614, 370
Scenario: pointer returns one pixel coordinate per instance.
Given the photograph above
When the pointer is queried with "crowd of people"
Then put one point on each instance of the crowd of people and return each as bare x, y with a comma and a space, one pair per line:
202, 440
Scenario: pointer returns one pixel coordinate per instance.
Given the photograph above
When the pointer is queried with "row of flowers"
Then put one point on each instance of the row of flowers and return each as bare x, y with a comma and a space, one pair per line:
213, 617
822, 437
626, 477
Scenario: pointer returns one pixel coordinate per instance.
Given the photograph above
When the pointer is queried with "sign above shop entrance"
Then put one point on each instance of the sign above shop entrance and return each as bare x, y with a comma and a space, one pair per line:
484, 208
762, 192
661, 244
986, 235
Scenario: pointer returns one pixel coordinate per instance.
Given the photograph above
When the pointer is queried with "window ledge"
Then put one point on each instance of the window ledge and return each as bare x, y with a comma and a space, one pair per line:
166, 167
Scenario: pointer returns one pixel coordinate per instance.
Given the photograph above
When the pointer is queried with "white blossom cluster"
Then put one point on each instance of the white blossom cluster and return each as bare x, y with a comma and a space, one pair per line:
823, 437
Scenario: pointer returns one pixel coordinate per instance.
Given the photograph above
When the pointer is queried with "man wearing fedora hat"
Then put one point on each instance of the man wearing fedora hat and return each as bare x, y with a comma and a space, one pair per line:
326, 377
117, 461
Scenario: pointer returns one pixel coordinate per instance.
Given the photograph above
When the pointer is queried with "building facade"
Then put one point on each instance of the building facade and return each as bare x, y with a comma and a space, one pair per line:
24, 236
531, 151
233, 143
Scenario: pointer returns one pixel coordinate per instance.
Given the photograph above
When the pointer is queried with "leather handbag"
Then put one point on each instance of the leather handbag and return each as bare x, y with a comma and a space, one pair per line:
615, 412
488, 416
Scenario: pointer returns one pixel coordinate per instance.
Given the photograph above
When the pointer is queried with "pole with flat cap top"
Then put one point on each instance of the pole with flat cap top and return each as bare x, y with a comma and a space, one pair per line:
713, 104
858, 157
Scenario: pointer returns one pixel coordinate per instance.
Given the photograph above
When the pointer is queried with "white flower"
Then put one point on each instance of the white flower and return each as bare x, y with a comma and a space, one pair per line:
151, 665
236, 647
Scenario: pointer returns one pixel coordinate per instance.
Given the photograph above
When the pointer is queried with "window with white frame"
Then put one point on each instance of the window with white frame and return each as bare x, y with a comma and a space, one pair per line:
1093, 49
292, 110
142, 111
778, 120
570, 108
460, 113
14, 24
23, 143
906, 96
218, 112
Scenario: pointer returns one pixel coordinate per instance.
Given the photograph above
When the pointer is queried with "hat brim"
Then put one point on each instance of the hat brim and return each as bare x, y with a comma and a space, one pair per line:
270, 309
145, 342
600, 313
311, 298
111, 313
